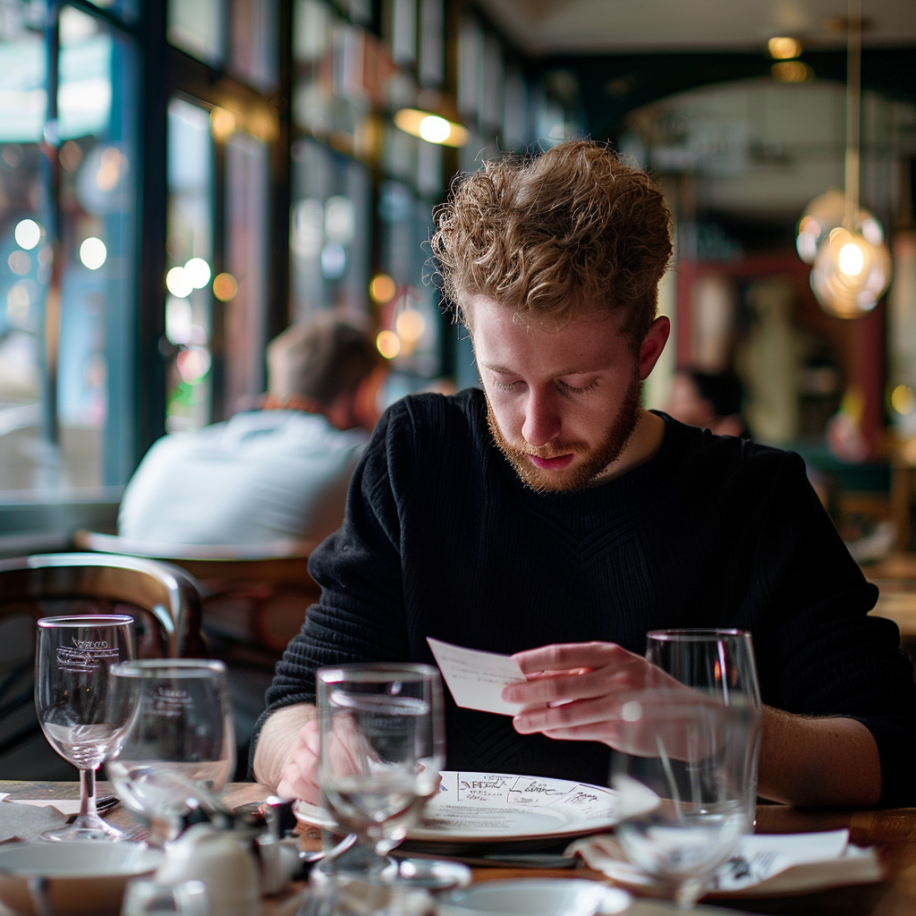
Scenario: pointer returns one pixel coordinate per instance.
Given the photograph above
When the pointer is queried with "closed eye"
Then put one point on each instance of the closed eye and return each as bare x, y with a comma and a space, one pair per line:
570, 389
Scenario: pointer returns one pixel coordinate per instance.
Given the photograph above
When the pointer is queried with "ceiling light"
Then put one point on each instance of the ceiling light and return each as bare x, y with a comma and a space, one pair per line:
435, 120
852, 265
782, 48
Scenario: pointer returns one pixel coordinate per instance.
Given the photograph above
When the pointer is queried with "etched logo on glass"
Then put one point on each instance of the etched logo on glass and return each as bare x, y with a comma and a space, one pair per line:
169, 702
85, 655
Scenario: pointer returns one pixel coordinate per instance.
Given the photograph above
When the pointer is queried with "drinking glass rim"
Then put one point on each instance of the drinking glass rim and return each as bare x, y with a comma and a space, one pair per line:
699, 634
376, 672
85, 620
168, 667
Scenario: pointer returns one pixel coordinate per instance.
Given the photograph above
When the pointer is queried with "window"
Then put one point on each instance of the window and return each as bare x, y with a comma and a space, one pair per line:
68, 173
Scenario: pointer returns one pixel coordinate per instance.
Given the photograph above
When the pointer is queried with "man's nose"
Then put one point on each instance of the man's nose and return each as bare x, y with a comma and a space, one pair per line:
542, 419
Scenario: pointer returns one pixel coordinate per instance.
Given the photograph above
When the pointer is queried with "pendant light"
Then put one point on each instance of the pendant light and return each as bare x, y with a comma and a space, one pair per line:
852, 265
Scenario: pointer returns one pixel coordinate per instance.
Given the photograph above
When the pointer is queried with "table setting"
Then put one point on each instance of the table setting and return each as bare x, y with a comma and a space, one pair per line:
399, 835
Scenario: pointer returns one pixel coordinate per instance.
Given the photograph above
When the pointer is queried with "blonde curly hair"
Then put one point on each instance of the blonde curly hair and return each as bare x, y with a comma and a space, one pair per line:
568, 232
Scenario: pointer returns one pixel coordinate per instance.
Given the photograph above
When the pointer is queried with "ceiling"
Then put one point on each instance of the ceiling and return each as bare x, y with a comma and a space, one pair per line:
705, 61
548, 27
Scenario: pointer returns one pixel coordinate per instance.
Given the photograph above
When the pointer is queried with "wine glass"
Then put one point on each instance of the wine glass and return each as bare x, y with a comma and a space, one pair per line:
178, 747
682, 785
382, 739
721, 663
74, 656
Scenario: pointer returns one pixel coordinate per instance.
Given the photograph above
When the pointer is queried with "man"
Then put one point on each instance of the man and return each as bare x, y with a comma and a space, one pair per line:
549, 516
269, 475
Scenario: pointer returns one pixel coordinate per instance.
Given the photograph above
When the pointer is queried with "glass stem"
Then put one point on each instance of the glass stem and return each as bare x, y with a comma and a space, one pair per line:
87, 792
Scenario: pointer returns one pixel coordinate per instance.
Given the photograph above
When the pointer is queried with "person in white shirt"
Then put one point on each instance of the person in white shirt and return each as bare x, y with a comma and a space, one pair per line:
275, 474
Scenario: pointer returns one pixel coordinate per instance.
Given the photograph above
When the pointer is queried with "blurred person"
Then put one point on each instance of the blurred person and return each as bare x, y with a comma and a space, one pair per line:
279, 473
711, 400
547, 515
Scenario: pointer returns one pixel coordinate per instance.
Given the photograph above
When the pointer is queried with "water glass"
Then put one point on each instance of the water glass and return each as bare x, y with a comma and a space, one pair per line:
682, 788
720, 663
178, 747
382, 747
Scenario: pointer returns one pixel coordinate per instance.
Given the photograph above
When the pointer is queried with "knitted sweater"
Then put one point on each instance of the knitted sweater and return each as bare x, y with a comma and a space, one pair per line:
442, 539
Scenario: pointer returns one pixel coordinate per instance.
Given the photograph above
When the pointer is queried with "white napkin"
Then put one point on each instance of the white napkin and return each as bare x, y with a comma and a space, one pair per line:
765, 864
66, 806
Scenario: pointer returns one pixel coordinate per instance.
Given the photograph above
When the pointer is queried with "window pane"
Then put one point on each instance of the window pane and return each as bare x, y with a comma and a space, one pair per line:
340, 72
247, 195
67, 235
196, 26
253, 42
329, 232
188, 311
413, 312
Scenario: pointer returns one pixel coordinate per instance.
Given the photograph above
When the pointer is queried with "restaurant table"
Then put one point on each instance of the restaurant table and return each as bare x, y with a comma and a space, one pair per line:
892, 831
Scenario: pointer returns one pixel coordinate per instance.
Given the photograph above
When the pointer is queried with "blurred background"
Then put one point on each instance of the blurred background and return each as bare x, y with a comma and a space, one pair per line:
181, 180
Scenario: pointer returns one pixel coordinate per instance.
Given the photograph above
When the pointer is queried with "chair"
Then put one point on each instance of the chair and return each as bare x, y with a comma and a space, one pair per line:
162, 599
254, 601
255, 595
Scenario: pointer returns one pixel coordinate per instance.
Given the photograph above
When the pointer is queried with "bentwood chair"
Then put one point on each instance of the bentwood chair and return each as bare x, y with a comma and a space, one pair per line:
162, 599
253, 595
254, 601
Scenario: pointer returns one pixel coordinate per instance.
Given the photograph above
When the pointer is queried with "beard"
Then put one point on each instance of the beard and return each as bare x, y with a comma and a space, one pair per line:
590, 461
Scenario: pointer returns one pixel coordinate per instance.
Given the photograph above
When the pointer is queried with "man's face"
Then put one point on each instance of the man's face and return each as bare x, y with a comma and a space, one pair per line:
562, 403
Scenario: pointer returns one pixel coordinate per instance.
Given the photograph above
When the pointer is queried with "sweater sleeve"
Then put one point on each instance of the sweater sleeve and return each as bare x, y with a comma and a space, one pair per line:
360, 615
819, 651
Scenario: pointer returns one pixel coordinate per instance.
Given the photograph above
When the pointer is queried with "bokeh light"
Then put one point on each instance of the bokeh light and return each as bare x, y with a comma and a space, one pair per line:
27, 234
225, 287
388, 344
178, 282
93, 253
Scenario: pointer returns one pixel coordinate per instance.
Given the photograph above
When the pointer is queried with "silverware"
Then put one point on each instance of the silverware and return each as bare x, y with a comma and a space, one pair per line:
102, 805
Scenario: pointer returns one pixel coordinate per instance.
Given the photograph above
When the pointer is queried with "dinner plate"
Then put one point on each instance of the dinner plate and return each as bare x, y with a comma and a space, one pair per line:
481, 808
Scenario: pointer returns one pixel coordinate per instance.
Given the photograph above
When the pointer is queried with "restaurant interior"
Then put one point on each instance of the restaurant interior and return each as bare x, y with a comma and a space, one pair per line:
181, 180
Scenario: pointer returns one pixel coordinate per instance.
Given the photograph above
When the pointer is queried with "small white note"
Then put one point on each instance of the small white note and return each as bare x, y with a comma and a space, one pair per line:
475, 678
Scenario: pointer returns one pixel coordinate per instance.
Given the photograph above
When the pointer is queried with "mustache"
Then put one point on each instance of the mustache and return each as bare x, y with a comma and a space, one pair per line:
547, 452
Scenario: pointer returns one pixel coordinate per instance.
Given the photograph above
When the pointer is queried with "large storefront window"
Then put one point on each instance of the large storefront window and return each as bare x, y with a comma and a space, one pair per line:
68, 173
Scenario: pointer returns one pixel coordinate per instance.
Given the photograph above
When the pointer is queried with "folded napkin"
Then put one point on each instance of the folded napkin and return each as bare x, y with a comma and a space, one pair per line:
24, 821
764, 864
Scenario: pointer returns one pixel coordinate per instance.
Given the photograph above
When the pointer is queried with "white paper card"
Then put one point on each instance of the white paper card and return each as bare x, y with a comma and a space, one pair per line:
475, 678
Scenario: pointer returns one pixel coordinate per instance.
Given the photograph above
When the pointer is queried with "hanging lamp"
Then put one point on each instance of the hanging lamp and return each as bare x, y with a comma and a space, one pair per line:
852, 265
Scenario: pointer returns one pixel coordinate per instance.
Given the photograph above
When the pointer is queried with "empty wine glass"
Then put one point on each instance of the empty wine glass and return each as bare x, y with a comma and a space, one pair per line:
178, 747
382, 747
73, 661
721, 664
682, 786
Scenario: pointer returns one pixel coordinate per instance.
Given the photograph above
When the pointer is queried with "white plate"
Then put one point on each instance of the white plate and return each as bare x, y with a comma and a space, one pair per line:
555, 897
496, 807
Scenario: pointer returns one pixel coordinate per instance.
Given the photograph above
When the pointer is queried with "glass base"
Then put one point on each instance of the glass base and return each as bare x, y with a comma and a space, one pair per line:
428, 873
86, 827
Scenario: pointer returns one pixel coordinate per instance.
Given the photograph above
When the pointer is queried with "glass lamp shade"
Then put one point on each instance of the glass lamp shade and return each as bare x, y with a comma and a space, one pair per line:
850, 273
824, 214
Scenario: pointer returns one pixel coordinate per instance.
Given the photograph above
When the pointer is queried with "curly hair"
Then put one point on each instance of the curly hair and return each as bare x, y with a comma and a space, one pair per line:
568, 232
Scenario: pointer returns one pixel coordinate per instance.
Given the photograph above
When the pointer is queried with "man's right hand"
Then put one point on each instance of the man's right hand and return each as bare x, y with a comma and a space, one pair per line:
286, 755
300, 775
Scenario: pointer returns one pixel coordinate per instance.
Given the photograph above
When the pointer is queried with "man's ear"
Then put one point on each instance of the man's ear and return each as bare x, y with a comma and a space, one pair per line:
652, 346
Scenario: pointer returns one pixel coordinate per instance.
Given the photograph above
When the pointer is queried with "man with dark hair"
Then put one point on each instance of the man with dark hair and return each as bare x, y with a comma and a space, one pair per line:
549, 516
275, 474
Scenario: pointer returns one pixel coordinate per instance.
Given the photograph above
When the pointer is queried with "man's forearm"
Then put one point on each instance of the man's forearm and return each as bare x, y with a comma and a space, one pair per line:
818, 761
276, 741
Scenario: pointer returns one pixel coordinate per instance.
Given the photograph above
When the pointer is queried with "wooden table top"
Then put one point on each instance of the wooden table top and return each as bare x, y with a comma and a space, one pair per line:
893, 831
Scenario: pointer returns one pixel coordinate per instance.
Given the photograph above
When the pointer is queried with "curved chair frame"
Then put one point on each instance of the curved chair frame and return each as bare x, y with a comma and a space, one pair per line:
165, 591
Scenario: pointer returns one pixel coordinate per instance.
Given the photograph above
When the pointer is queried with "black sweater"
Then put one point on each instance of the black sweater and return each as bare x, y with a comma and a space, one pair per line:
442, 539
